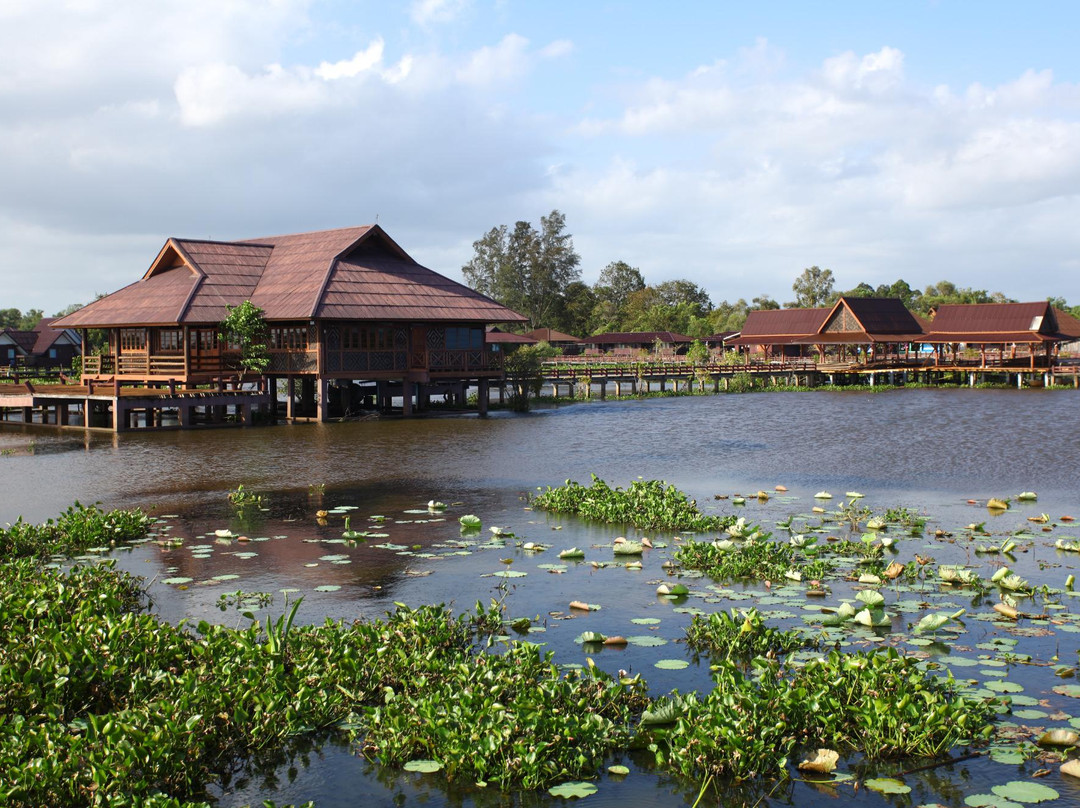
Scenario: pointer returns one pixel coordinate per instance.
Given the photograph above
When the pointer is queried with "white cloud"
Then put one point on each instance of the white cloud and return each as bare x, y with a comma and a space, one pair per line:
427, 12
362, 62
501, 64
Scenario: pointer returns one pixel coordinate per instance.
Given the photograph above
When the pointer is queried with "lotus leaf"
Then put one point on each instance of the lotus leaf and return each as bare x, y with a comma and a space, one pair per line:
823, 761
1026, 792
1059, 737
424, 766
469, 520
887, 785
572, 790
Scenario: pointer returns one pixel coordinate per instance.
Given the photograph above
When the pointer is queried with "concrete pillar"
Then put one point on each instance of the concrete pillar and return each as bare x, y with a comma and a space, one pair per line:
245, 413
603, 390
322, 404
971, 379
1019, 381
119, 416
482, 393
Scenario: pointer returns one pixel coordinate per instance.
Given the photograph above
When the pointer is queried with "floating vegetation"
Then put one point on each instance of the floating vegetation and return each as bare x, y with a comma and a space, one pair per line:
741, 635
647, 504
421, 691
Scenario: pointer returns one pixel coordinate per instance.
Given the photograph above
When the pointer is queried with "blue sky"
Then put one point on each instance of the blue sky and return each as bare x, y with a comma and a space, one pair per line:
731, 144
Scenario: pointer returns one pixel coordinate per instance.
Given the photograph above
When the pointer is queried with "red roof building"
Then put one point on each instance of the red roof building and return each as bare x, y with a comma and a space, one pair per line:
342, 305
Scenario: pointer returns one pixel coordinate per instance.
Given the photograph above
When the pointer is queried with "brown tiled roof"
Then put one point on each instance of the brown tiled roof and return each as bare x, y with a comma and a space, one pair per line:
350, 273
779, 326
46, 335
551, 335
994, 322
1068, 326
375, 283
23, 339
497, 336
636, 338
881, 316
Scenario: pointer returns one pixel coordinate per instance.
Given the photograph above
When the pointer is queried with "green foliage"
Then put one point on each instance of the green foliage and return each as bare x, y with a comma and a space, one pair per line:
524, 370
812, 288
245, 327
648, 504
241, 499
742, 636
758, 559
505, 719
78, 528
525, 269
877, 703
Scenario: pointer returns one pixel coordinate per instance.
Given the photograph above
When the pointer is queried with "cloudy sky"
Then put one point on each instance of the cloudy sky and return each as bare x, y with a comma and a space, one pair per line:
733, 144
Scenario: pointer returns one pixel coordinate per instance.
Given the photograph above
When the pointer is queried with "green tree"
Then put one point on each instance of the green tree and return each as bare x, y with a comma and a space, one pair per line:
524, 370
576, 311
526, 269
618, 280
245, 327
812, 288
764, 303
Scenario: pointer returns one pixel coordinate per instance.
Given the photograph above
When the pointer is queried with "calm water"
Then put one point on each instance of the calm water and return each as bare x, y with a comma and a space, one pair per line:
926, 450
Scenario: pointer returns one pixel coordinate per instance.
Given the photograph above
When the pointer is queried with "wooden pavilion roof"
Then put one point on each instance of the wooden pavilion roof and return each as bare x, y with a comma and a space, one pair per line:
356, 273
866, 321
637, 338
988, 323
779, 326
552, 336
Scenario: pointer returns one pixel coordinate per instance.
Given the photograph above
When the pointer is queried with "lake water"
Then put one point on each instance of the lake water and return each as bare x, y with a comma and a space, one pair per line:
927, 450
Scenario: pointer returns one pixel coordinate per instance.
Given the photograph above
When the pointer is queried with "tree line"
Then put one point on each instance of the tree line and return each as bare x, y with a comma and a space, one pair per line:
537, 272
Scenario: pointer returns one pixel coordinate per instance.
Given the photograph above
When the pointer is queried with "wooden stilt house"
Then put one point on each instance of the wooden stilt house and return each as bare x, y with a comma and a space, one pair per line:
348, 311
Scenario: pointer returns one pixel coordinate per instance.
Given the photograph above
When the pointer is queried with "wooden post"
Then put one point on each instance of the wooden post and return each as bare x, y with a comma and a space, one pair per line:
406, 398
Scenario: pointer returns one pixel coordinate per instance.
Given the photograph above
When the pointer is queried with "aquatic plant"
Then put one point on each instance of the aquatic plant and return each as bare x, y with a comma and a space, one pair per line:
647, 504
241, 499
78, 528
741, 635
879, 704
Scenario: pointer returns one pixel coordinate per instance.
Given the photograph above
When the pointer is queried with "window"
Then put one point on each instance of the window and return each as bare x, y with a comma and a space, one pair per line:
132, 339
169, 340
289, 338
52, 353
360, 338
464, 339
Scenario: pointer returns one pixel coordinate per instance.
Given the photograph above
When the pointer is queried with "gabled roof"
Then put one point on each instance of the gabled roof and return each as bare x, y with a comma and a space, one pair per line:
47, 336
995, 322
1068, 326
23, 340
551, 335
496, 336
38, 341
350, 273
779, 326
637, 338
863, 320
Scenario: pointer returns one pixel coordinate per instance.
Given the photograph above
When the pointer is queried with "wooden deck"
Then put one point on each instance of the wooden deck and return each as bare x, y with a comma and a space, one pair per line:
646, 372
119, 409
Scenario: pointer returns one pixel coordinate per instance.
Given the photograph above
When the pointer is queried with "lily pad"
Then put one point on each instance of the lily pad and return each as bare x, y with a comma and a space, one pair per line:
327, 588
425, 766
671, 664
572, 790
887, 785
1025, 791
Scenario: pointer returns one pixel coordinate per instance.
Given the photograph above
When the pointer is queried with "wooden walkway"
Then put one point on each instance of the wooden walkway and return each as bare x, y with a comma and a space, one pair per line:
119, 409
648, 375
